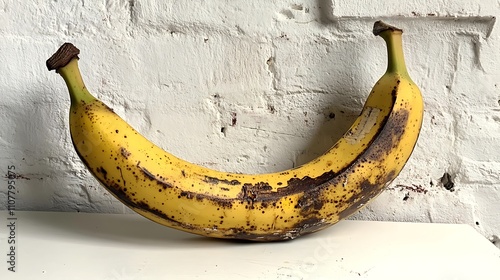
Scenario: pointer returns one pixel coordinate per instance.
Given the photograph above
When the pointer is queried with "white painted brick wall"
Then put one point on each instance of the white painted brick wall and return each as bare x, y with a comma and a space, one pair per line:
180, 70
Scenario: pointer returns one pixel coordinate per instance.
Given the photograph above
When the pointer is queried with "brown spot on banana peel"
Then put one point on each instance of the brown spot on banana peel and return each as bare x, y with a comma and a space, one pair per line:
102, 171
124, 152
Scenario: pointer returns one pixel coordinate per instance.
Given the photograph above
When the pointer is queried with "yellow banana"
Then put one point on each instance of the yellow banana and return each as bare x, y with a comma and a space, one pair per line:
262, 207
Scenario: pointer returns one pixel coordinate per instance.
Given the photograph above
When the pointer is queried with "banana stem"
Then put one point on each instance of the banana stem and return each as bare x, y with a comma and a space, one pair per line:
65, 62
77, 90
393, 38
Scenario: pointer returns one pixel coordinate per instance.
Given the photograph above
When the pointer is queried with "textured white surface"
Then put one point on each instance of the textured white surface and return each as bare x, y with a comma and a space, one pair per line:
180, 70
128, 247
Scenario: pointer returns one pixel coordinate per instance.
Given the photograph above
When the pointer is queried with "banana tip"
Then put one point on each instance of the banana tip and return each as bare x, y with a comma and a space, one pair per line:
380, 26
62, 56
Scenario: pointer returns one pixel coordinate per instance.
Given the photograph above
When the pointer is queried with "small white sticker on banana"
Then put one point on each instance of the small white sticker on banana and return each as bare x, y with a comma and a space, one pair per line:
368, 121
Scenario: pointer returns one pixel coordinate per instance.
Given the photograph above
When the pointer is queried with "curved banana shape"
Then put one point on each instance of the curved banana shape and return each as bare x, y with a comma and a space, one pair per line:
261, 207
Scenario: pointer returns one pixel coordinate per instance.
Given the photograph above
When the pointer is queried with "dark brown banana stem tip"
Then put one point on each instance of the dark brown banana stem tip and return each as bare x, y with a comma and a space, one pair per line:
381, 26
62, 56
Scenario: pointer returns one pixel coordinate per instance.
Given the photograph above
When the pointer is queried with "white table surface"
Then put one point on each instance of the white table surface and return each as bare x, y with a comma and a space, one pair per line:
69, 246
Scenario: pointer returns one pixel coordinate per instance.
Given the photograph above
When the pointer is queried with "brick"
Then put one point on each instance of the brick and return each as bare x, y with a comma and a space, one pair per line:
419, 8
208, 17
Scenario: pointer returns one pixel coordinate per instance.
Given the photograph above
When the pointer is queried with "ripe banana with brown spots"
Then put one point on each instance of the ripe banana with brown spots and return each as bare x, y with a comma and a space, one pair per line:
261, 207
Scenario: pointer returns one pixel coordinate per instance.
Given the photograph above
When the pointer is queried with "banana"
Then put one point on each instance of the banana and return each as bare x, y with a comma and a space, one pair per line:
259, 207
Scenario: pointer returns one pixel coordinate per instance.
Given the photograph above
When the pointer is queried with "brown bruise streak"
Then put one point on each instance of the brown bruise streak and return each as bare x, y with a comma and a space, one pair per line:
152, 177
224, 203
390, 135
216, 181
125, 196
387, 141
103, 172
301, 228
309, 204
368, 191
249, 192
144, 206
